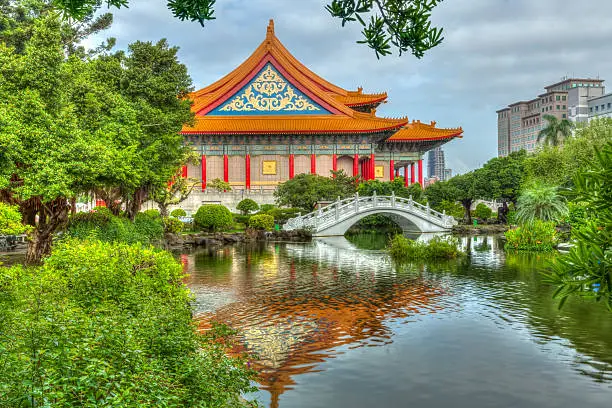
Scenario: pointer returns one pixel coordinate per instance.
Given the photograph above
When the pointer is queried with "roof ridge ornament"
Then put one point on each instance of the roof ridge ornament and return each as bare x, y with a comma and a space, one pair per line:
270, 30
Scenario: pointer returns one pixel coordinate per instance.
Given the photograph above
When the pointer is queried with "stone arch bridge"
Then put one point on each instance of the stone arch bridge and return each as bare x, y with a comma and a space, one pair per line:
337, 218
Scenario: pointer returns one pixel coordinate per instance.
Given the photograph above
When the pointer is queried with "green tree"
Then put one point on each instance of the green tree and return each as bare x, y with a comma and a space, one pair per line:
587, 270
219, 185
501, 178
464, 185
542, 202
261, 222
402, 24
17, 19
247, 206
555, 131
483, 212
305, 190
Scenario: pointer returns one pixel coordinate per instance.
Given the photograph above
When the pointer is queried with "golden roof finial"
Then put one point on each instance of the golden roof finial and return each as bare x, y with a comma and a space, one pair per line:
270, 31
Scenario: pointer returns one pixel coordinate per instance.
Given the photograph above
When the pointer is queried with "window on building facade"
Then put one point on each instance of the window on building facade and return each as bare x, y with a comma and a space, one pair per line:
564, 107
558, 107
609, 105
597, 108
564, 97
591, 110
558, 97
564, 116
603, 107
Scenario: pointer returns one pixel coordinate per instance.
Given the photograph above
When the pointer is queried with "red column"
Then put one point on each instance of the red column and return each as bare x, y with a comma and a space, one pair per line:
313, 164
247, 171
225, 168
372, 167
406, 176
203, 172
391, 170
412, 177
355, 165
334, 162
291, 166
184, 171
421, 173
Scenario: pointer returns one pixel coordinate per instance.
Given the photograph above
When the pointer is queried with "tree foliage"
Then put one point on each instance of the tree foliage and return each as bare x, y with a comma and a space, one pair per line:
305, 190
247, 206
401, 24
261, 222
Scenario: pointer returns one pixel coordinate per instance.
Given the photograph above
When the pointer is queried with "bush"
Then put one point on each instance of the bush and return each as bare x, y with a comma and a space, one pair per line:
483, 212
213, 217
542, 202
179, 212
247, 206
113, 326
535, 236
241, 219
173, 225
101, 224
404, 249
261, 222
266, 207
450, 208
281, 215
10, 220
152, 213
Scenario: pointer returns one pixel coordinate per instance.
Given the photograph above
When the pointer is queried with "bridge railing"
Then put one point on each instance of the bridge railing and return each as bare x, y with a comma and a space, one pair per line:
343, 209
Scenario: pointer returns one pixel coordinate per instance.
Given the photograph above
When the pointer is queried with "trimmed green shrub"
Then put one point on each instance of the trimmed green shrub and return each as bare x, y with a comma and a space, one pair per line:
247, 206
438, 248
482, 212
10, 220
173, 225
266, 207
152, 213
241, 219
213, 217
179, 212
534, 236
112, 325
281, 215
261, 222
149, 224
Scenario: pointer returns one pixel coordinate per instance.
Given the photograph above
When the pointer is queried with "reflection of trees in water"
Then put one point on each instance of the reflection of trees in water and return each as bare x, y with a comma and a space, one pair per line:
312, 307
299, 303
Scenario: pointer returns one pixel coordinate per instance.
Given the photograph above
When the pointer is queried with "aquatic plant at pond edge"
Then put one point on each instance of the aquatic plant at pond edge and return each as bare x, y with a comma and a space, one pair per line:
537, 235
541, 201
405, 249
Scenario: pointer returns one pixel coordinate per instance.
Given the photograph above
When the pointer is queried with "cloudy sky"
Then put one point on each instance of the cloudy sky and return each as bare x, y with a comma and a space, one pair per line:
495, 52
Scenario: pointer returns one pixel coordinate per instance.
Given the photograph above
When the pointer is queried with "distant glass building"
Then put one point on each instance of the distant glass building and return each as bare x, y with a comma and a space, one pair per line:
435, 164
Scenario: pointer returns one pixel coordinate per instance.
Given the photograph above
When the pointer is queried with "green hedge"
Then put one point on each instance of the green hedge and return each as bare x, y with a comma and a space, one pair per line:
173, 225
261, 222
213, 217
104, 324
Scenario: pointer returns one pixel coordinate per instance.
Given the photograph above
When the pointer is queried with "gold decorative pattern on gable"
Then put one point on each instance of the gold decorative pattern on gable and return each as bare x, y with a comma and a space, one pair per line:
270, 92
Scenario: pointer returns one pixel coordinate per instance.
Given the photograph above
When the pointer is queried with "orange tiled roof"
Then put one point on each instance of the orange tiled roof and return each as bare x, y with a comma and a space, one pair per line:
337, 97
360, 123
423, 132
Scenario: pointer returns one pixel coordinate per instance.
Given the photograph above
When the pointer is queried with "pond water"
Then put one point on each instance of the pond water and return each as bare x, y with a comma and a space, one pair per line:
334, 323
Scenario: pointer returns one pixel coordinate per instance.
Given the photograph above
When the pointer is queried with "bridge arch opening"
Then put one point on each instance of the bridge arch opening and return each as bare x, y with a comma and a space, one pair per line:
377, 223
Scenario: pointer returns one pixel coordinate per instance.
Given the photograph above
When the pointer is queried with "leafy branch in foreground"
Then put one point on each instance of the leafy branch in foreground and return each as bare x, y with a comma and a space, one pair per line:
404, 24
401, 24
587, 270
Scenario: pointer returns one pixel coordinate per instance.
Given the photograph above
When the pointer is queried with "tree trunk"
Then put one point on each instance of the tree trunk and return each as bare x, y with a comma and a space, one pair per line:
163, 209
52, 216
134, 205
467, 204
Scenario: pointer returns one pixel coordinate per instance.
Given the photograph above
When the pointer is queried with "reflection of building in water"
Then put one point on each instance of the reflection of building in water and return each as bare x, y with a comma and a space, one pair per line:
320, 297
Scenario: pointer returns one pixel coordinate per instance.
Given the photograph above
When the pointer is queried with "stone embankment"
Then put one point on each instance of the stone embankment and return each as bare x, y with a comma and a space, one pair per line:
484, 229
219, 239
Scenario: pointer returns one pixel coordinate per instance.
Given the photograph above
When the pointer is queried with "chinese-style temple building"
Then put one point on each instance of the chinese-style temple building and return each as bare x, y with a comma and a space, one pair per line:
272, 118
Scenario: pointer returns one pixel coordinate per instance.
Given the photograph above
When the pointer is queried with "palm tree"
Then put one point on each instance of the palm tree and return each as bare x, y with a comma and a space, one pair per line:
556, 130
540, 201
